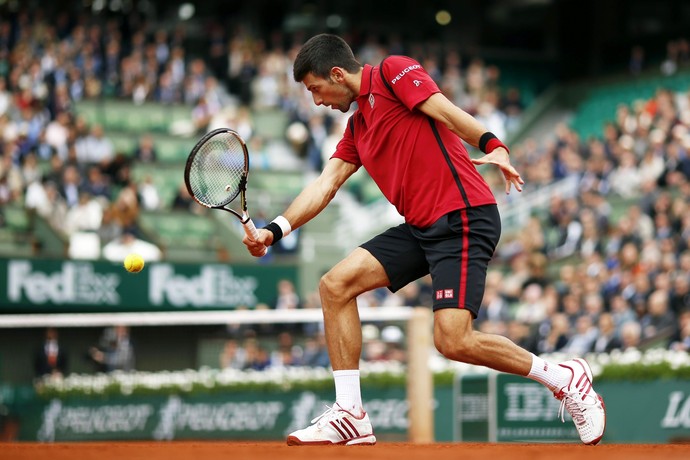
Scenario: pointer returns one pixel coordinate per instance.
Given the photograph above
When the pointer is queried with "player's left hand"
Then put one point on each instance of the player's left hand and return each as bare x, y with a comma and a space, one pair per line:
499, 157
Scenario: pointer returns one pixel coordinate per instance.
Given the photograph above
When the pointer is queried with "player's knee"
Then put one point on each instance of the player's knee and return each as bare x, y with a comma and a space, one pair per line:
331, 289
455, 347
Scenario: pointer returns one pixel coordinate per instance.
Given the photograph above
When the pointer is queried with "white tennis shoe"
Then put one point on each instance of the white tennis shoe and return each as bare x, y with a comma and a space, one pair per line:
584, 405
335, 426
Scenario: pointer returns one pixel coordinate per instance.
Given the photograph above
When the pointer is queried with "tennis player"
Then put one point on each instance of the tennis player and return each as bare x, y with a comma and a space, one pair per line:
408, 136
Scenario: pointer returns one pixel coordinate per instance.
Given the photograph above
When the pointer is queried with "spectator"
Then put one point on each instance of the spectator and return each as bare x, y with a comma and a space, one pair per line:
553, 334
393, 339
631, 333
287, 298
607, 340
95, 148
146, 151
85, 216
57, 133
659, 322
110, 228
184, 201
593, 305
520, 333
202, 115
637, 60
128, 243
51, 358
680, 293
115, 350
287, 353
148, 194
584, 337
11, 180
30, 169
233, 356
315, 351
621, 313
121, 215
256, 356
5, 96
70, 186
97, 185
532, 308
374, 349
680, 341
44, 198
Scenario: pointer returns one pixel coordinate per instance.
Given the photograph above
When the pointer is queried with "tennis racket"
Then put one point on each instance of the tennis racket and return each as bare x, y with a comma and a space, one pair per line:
216, 174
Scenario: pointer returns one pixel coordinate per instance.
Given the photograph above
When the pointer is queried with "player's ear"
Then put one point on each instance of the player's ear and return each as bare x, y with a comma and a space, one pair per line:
338, 74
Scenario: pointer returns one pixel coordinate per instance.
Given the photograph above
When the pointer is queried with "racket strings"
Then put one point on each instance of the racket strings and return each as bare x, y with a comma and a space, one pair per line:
217, 170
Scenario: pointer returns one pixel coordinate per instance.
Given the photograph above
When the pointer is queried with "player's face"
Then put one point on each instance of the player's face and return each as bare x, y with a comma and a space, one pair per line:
328, 92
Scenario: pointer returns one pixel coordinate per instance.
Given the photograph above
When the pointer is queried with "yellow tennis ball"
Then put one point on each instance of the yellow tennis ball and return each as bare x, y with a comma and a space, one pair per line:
134, 263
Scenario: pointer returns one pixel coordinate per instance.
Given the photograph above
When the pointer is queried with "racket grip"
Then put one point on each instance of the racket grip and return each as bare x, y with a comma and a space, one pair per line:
250, 230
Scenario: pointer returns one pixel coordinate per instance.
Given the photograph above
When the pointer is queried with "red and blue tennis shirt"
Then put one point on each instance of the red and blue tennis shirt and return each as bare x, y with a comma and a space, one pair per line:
421, 166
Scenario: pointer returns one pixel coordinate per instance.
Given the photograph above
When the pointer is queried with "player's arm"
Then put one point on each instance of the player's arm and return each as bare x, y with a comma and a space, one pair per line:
307, 205
470, 130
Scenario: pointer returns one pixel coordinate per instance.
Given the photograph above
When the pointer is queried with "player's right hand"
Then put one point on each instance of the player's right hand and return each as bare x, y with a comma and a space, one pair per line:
258, 247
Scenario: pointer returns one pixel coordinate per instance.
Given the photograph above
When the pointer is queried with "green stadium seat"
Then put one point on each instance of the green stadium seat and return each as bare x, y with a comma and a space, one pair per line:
270, 123
173, 149
16, 234
6, 235
124, 142
166, 177
16, 218
178, 229
118, 115
277, 183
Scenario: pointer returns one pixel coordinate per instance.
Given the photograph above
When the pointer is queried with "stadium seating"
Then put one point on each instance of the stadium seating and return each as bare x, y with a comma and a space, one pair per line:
15, 235
601, 100
181, 236
117, 115
169, 149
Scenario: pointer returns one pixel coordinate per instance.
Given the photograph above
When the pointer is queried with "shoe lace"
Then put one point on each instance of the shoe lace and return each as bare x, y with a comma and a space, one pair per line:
330, 414
574, 406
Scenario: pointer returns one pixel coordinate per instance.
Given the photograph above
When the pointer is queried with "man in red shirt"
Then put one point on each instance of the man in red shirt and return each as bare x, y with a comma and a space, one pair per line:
408, 136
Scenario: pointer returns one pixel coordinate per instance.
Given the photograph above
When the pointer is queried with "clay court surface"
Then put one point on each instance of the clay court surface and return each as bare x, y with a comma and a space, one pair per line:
394, 451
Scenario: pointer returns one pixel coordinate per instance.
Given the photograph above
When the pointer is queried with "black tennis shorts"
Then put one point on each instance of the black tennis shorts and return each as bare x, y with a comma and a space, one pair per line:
456, 250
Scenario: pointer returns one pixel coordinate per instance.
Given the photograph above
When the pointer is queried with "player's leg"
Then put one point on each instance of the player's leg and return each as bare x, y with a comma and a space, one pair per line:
391, 259
570, 381
346, 422
458, 268
456, 339
358, 273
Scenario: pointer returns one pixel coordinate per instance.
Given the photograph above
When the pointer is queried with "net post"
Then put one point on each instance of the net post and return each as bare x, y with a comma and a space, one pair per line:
420, 391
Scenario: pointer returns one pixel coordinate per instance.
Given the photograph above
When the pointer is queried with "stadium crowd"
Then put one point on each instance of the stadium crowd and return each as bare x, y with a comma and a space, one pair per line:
583, 276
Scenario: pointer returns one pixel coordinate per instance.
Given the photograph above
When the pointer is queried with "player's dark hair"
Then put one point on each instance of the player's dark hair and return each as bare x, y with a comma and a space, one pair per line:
320, 54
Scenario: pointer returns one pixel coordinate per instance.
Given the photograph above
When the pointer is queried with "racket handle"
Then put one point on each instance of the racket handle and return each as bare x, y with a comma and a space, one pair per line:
250, 230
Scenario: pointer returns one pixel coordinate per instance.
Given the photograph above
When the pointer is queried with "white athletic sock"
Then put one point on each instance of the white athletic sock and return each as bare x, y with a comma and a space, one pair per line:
347, 391
548, 374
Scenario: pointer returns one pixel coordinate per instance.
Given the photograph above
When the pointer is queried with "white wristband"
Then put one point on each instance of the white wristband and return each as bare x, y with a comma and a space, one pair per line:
283, 224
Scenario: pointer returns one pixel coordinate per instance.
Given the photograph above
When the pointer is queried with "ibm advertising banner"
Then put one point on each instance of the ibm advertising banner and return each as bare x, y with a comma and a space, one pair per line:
41, 286
507, 408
